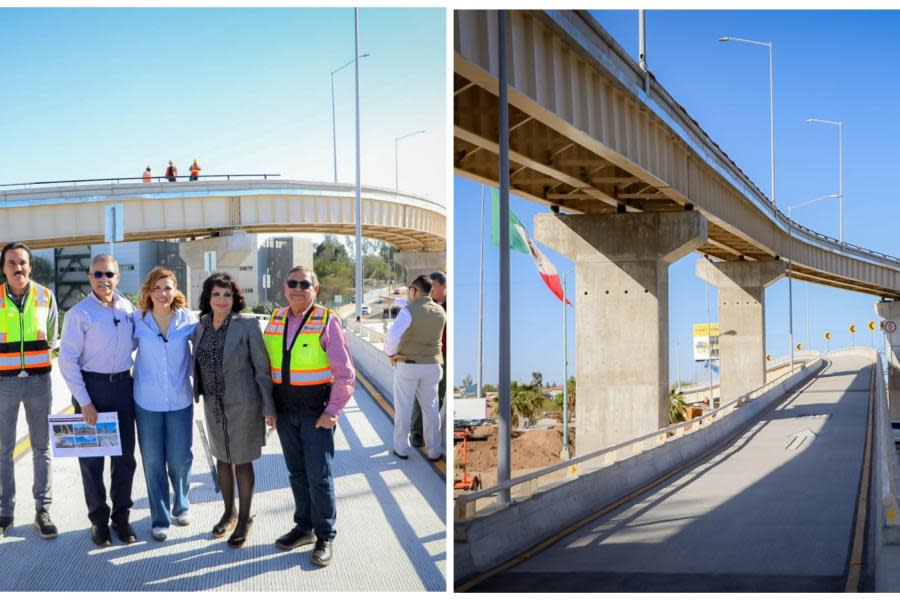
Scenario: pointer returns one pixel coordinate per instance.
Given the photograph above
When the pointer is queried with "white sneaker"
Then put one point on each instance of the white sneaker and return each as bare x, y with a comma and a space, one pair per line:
184, 518
160, 533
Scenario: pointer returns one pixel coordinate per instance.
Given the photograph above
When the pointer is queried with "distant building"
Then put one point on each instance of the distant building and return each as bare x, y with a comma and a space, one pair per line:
259, 263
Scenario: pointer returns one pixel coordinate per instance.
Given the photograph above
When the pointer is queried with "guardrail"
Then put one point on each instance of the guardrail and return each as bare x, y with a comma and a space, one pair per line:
780, 363
368, 333
529, 484
159, 179
887, 468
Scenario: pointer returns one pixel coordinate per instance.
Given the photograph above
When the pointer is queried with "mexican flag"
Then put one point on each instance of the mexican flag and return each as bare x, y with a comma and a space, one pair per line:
520, 241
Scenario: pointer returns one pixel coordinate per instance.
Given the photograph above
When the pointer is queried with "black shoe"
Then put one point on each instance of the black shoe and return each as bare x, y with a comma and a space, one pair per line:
240, 533
225, 524
125, 532
45, 527
100, 535
322, 552
398, 455
295, 538
6, 524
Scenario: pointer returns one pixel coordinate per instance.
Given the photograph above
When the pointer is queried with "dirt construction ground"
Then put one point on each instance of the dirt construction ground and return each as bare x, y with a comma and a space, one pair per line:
532, 449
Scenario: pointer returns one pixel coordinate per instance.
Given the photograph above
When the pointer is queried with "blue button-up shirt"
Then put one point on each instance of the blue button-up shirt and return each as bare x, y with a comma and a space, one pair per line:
95, 338
163, 365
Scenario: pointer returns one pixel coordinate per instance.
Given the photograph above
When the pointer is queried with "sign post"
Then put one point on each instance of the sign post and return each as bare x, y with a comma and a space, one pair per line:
827, 342
113, 225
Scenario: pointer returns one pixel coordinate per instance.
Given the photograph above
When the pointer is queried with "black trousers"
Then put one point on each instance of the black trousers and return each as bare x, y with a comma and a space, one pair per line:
118, 397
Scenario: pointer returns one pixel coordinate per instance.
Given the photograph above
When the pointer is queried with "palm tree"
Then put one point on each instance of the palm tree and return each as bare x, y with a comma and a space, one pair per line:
676, 406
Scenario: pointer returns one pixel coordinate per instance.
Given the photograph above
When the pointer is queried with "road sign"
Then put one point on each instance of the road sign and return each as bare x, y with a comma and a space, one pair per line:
209, 261
799, 346
768, 357
827, 335
267, 281
890, 326
871, 325
114, 223
853, 329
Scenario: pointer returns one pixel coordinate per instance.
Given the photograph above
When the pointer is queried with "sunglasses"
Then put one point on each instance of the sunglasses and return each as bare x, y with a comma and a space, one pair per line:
304, 285
102, 274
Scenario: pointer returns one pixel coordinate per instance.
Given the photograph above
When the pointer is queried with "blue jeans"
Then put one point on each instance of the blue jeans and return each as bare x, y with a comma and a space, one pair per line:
309, 453
165, 441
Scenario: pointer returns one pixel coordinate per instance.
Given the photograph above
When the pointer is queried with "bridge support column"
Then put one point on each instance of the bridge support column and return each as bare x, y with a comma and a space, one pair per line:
742, 320
421, 263
890, 311
622, 315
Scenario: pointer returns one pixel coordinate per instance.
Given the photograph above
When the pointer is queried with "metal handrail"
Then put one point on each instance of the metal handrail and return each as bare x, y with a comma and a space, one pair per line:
461, 501
159, 178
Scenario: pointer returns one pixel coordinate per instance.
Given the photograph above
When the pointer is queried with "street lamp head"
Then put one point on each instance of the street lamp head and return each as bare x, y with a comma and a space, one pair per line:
724, 39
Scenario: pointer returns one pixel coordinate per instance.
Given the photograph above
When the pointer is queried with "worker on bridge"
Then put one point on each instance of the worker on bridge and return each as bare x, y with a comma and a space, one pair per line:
148, 176
195, 171
172, 172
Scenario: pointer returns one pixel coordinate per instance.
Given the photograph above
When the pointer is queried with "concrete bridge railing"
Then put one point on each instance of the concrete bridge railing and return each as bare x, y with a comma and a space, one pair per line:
489, 534
367, 347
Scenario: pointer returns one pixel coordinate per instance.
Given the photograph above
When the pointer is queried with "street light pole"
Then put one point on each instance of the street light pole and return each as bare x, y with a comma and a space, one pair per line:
791, 276
840, 195
359, 265
396, 160
771, 101
333, 119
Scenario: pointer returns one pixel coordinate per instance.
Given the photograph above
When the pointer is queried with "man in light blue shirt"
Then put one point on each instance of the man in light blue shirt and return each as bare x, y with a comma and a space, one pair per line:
95, 361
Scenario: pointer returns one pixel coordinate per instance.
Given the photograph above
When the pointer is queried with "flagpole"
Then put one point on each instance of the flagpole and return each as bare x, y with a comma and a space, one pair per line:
503, 386
479, 391
565, 444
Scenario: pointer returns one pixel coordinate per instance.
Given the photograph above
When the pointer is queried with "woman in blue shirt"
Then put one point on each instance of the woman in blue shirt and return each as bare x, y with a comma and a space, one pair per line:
163, 397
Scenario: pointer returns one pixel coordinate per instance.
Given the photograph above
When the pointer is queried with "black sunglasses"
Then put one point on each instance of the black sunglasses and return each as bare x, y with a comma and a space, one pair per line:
304, 285
102, 274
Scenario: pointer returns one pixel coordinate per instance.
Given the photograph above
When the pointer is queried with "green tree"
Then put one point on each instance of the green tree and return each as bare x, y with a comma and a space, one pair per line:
525, 401
676, 406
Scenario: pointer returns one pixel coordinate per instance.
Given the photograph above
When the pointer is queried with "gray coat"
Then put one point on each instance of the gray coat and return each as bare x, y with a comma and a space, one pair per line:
248, 392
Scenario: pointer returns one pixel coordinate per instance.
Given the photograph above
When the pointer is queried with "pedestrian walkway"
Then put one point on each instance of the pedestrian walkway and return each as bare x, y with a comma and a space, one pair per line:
771, 511
391, 533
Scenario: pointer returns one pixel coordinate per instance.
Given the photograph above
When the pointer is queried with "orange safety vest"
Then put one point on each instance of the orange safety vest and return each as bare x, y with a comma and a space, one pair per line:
23, 333
195, 170
147, 177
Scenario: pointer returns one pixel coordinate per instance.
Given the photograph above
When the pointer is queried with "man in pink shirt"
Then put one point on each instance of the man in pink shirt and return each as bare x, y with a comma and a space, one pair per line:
313, 378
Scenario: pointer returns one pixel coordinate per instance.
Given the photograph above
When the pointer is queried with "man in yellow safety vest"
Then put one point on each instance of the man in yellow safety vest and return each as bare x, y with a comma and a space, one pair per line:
28, 330
313, 378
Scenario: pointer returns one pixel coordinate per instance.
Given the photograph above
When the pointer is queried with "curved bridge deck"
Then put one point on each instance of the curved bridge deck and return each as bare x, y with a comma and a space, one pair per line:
391, 526
765, 513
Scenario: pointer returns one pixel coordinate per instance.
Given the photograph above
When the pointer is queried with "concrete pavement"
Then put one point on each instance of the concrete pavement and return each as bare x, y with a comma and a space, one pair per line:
772, 511
391, 526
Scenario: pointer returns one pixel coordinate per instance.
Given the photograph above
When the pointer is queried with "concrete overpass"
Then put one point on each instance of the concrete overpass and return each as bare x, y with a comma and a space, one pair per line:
72, 215
634, 184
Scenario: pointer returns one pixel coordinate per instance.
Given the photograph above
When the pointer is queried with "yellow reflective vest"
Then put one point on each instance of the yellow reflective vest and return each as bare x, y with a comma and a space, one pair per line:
305, 360
23, 333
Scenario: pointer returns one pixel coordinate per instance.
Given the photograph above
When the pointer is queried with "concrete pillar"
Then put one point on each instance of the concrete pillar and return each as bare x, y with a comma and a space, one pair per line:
742, 320
621, 314
421, 263
890, 311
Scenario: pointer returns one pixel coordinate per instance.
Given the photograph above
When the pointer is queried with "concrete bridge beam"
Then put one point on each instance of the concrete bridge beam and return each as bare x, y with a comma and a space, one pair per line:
421, 263
742, 320
622, 315
890, 310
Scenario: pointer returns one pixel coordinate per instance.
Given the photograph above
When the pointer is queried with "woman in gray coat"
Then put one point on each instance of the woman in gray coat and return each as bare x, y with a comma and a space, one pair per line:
232, 373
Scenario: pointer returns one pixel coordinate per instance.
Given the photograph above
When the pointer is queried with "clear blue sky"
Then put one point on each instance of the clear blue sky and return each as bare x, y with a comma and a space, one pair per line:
91, 93
833, 65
